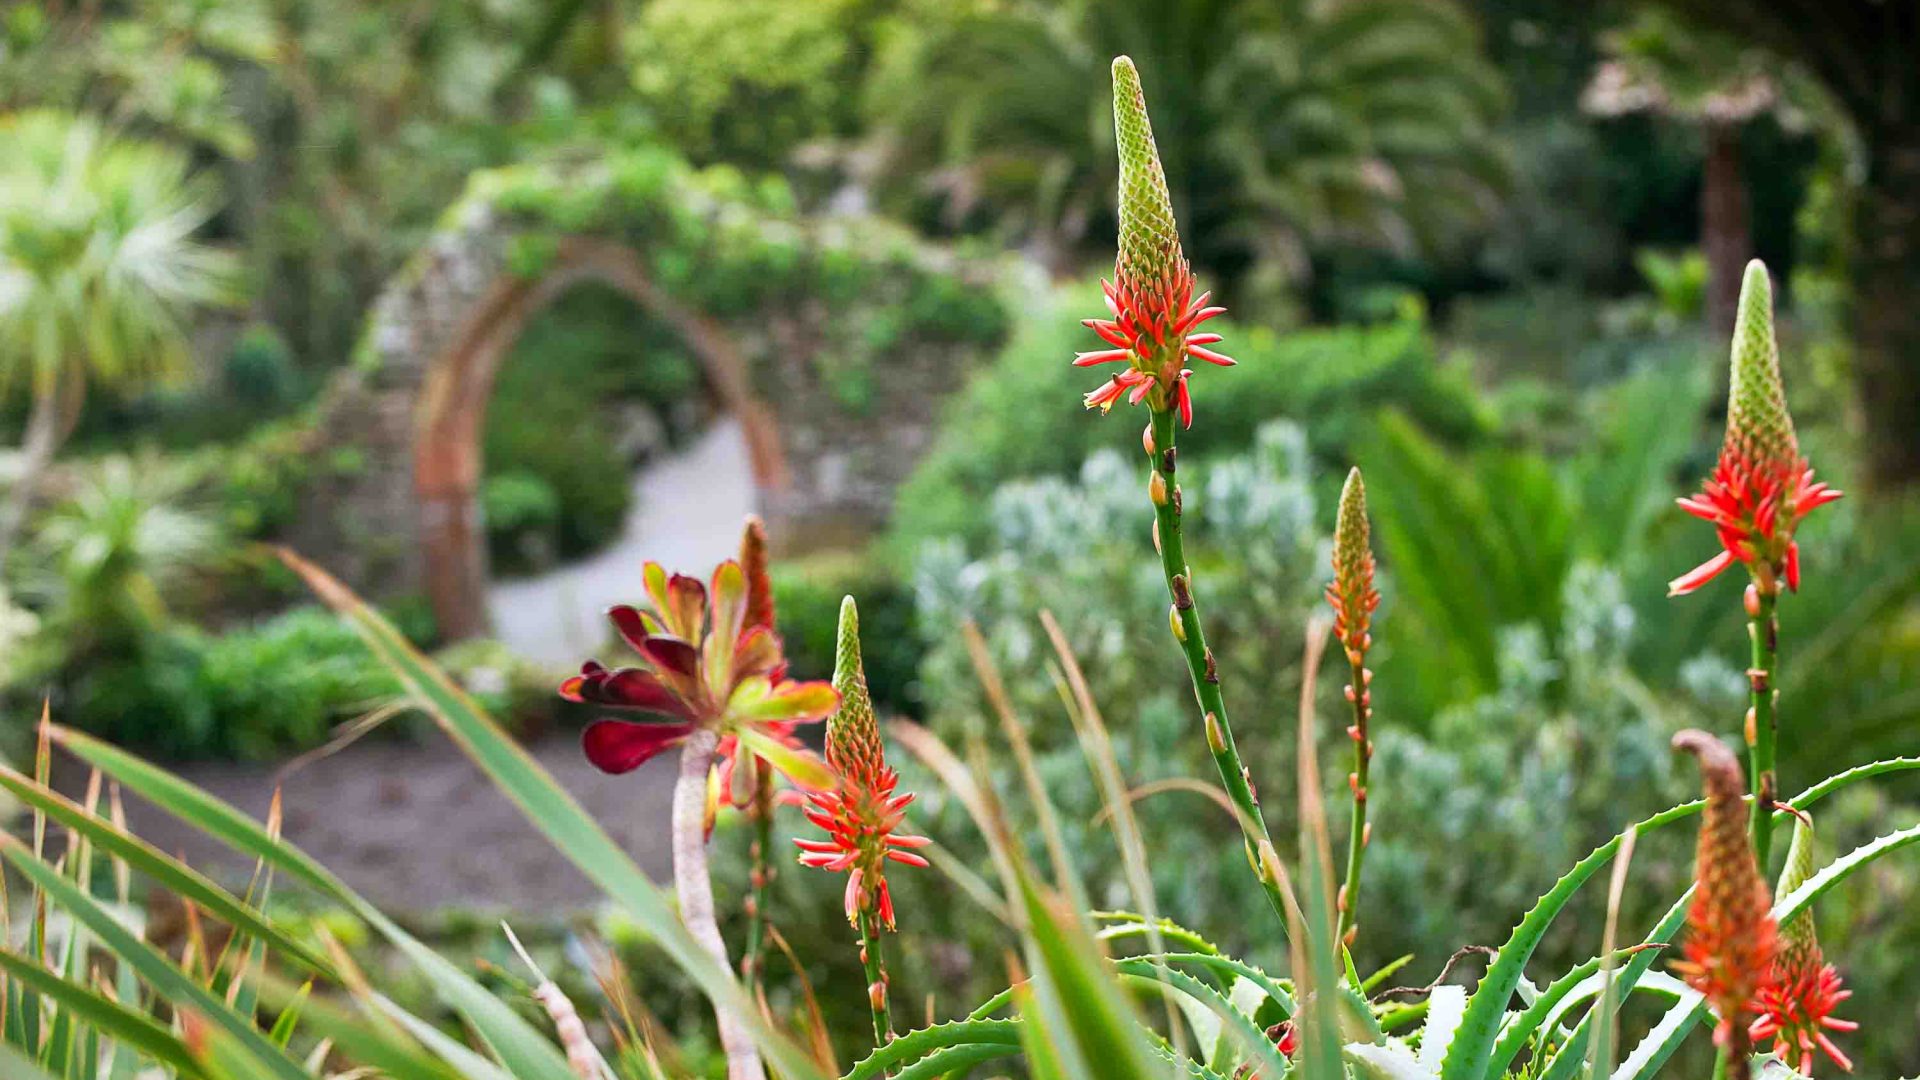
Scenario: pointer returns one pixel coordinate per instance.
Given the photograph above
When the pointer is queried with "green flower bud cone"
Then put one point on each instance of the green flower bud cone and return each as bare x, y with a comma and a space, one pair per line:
1759, 428
853, 733
1797, 936
1149, 239
1352, 593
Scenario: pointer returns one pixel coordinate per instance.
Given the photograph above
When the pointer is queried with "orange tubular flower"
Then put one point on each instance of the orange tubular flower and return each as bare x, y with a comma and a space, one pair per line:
1731, 937
710, 660
1796, 1006
862, 813
1761, 487
1151, 296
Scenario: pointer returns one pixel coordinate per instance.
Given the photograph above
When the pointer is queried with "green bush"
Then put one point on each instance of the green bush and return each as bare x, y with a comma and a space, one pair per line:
807, 598
1007, 422
522, 512
256, 692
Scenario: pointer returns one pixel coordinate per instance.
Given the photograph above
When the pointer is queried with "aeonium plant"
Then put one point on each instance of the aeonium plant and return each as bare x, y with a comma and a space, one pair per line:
712, 681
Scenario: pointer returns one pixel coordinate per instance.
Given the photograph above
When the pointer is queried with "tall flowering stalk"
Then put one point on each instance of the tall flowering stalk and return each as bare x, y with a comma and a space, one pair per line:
1796, 1006
1760, 490
1729, 951
1353, 598
862, 816
1154, 316
712, 682
759, 787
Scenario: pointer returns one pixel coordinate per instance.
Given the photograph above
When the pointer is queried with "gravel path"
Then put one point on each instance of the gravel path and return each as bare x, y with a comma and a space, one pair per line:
686, 515
418, 828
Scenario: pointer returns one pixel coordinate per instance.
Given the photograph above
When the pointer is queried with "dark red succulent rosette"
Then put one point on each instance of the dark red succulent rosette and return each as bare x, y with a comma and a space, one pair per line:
704, 663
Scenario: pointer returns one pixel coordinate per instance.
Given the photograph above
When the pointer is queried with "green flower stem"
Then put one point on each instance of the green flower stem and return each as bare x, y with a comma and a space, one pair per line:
1763, 630
760, 876
876, 969
1200, 662
1357, 837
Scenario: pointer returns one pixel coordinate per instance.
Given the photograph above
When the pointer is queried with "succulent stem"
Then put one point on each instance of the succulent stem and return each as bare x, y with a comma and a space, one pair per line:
1200, 663
876, 969
1763, 630
694, 888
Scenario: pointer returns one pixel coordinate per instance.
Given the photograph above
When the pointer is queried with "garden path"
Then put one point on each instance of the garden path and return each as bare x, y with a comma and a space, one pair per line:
418, 829
686, 515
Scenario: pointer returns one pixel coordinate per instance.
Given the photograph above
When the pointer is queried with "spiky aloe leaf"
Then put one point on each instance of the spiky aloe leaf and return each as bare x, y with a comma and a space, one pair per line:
927, 1041
1249, 1036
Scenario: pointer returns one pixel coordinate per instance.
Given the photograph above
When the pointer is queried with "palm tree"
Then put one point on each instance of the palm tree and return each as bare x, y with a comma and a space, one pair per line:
1866, 55
98, 270
1716, 83
1283, 123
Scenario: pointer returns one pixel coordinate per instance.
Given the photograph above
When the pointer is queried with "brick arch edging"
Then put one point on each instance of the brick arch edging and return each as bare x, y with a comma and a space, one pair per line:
458, 382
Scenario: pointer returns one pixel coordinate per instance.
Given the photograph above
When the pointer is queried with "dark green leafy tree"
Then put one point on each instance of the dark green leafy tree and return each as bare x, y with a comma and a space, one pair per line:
1286, 125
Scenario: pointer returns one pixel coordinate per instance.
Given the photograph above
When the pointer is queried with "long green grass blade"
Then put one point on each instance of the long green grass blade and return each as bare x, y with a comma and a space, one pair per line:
521, 1047
554, 812
127, 1027
176, 877
167, 980
18, 1066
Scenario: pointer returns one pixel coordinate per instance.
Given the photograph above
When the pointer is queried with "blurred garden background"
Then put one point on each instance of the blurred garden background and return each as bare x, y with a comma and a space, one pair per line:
481, 304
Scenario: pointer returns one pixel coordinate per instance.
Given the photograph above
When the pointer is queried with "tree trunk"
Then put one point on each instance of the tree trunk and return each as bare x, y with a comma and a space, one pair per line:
47, 426
1886, 316
1726, 235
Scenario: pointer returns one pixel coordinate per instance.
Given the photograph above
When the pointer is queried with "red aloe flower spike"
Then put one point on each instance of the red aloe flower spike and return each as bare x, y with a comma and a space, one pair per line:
1151, 294
861, 815
1730, 931
1796, 1005
1353, 598
1351, 593
1761, 488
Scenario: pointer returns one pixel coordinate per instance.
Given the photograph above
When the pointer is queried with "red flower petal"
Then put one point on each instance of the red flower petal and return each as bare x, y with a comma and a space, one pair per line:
632, 688
1700, 575
631, 623
1210, 356
670, 653
617, 746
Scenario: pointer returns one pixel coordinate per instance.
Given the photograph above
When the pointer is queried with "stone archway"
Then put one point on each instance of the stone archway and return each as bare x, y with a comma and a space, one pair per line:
459, 381
852, 325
